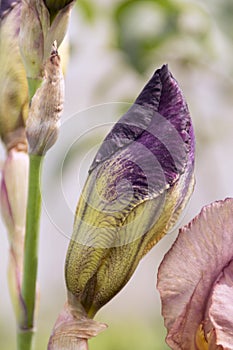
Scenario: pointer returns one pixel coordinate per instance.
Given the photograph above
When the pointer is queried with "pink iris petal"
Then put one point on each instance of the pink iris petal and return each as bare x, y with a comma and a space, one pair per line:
221, 309
189, 270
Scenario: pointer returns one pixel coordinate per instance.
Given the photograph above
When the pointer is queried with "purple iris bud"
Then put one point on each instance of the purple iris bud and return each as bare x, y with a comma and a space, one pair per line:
140, 179
138, 184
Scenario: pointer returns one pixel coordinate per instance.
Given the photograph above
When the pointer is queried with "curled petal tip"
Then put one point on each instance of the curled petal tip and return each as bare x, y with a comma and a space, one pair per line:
221, 311
195, 281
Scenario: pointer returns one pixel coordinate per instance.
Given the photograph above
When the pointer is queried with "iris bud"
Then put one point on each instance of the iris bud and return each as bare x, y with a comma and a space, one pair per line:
139, 182
13, 114
13, 82
38, 30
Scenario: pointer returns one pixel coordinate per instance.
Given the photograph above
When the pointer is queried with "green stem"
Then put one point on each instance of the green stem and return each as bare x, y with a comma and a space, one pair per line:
24, 339
26, 325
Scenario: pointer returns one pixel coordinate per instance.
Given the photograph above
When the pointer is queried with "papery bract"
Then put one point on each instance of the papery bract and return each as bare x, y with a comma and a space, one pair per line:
43, 122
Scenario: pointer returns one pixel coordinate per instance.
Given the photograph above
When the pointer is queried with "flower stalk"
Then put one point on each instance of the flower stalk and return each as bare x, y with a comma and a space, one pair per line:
29, 29
26, 320
41, 130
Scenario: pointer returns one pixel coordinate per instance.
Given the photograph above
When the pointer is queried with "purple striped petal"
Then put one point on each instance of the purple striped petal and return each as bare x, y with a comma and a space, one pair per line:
153, 143
160, 121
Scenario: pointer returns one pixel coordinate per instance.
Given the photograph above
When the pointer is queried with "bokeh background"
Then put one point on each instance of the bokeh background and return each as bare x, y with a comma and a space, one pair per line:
114, 49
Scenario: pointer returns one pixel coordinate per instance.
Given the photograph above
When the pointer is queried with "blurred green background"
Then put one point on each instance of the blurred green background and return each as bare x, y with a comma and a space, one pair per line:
115, 48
